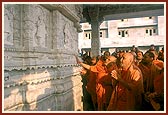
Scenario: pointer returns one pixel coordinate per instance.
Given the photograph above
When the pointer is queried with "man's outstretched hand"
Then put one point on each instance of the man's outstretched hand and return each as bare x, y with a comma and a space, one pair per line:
77, 59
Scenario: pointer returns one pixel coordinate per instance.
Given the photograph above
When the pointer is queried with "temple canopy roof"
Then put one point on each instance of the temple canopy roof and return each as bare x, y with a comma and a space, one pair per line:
120, 11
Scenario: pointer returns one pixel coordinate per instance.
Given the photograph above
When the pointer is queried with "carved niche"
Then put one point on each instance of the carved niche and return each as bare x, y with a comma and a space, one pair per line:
8, 24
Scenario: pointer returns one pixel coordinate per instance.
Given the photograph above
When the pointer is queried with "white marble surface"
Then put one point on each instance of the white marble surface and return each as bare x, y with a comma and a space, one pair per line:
40, 70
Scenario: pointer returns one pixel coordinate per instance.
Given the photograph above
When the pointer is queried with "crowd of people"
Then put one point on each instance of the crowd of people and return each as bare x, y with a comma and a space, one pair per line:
123, 81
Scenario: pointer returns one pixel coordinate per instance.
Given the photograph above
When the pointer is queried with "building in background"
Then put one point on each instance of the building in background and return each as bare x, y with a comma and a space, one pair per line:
123, 34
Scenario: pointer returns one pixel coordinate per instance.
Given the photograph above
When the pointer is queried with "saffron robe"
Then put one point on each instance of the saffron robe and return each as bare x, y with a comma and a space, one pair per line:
103, 84
123, 99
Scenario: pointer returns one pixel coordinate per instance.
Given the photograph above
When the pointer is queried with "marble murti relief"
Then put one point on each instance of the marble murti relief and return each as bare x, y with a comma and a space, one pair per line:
41, 33
69, 36
36, 25
64, 33
8, 25
12, 25
40, 70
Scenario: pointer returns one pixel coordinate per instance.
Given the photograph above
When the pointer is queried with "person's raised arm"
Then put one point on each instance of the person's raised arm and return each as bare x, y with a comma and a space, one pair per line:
82, 64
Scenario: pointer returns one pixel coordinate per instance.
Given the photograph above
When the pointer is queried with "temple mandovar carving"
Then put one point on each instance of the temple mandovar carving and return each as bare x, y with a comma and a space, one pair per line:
40, 70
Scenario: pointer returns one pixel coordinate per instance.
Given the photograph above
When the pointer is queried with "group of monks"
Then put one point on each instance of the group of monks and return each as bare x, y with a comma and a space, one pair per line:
127, 81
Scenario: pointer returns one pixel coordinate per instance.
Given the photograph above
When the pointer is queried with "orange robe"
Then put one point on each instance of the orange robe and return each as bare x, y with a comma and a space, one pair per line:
149, 73
91, 87
159, 89
159, 79
159, 64
104, 85
159, 83
123, 99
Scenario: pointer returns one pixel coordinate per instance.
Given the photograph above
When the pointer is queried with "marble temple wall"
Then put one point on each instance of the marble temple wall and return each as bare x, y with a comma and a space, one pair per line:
40, 71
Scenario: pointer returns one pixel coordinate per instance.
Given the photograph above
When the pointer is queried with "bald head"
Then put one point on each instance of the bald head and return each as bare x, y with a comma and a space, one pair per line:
127, 60
112, 59
130, 56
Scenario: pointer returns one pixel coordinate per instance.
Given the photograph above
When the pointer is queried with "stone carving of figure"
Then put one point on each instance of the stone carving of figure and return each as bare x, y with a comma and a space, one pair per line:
67, 34
41, 33
8, 27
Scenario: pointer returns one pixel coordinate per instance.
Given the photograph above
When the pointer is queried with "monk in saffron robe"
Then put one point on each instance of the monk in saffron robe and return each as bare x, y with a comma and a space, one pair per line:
156, 98
129, 87
104, 86
159, 63
91, 85
91, 88
103, 80
101, 71
150, 70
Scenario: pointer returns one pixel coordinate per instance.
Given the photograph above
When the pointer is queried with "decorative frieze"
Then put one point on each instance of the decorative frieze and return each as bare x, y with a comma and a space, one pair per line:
35, 93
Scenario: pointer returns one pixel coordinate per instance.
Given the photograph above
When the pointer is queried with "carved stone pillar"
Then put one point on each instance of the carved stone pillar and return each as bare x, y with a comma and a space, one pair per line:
95, 25
27, 27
